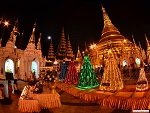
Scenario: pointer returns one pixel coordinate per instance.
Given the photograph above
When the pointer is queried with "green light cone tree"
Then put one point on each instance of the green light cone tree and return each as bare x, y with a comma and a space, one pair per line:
87, 75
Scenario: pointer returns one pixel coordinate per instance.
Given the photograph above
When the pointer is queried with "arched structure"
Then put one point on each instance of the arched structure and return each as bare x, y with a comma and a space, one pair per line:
20, 59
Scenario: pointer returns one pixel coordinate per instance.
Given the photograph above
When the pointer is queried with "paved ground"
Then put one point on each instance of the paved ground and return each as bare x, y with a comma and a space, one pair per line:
70, 104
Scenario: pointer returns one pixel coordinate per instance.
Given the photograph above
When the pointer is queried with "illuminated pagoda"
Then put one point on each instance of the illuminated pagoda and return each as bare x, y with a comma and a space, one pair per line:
122, 46
69, 51
16, 60
51, 55
39, 42
61, 50
112, 78
79, 55
78, 60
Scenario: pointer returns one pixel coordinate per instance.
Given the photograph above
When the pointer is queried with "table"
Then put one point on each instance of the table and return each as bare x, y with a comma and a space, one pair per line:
38, 102
47, 100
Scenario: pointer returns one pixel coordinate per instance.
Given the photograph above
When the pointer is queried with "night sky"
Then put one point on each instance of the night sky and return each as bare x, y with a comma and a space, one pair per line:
82, 20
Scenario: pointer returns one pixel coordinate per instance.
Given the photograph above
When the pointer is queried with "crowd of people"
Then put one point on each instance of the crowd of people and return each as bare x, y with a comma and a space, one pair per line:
13, 92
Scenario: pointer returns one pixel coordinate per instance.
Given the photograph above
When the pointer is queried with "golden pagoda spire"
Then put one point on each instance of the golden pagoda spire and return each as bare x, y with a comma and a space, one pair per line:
69, 51
108, 26
51, 55
133, 41
140, 46
79, 56
39, 42
14, 32
147, 42
15, 29
32, 38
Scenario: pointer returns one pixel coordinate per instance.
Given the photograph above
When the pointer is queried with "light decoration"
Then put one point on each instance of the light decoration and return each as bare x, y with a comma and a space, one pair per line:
55, 62
112, 78
63, 71
72, 76
92, 46
6, 23
124, 40
137, 61
142, 83
87, 78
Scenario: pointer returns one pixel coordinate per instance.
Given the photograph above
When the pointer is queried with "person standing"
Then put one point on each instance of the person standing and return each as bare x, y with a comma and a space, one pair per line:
16, 89
3, 99
10, 89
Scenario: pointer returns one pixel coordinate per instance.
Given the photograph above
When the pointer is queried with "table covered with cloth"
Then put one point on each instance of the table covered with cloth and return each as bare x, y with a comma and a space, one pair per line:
36, 102
48, 100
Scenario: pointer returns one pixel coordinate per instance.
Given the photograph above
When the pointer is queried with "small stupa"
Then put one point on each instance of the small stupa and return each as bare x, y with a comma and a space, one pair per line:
142, 83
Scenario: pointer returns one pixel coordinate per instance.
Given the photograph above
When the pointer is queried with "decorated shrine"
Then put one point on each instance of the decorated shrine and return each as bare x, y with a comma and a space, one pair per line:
17, 62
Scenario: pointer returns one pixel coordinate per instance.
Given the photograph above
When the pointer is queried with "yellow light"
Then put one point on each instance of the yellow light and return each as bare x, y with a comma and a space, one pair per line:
55, 62
109, 51
6, 23
92, 46
124, 40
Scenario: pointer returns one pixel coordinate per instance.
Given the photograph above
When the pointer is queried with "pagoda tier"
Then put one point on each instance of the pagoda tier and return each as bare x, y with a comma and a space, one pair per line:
61, 51
51, 55
69, 52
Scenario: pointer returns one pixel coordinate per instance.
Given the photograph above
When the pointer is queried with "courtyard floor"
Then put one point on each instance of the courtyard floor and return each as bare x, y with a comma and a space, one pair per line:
69, 104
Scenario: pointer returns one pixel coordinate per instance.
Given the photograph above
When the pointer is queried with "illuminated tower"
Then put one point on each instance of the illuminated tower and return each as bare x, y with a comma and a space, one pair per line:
148, 49
79, 56
112, 77
39, 42
31, 44
32, 38
14, 33
51, 55
15, 30
61, 51
69, 52
78, 60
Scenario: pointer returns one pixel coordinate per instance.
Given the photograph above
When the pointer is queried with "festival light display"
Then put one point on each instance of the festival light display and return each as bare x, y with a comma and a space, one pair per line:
112, 78
87, 75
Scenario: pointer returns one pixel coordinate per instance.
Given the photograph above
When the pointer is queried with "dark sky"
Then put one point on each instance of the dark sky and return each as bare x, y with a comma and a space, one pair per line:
82, 19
